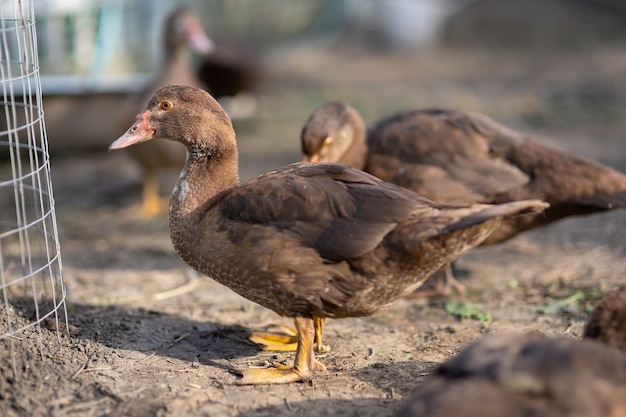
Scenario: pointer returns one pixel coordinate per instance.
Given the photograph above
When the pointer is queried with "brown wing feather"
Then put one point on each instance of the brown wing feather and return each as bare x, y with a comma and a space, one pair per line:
443, 154
455, 157
341, 212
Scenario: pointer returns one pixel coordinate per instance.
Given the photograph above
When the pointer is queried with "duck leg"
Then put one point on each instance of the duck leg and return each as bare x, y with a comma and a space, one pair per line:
318, 325
278, 337
451, 282
442, 282
283, 338
152, 203
304, 365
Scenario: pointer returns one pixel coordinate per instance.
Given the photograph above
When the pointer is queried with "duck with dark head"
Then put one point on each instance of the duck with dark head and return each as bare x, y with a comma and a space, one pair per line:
308, 241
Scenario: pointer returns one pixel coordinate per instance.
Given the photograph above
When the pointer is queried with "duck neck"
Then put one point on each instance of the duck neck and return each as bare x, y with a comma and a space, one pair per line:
203, 182
352, 144
178, 62
357, 153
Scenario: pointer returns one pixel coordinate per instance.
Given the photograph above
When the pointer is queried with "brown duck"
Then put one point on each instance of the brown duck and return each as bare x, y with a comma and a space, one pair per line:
531, 374
525, 374
607, 322
308, 241
455, 157
182, 35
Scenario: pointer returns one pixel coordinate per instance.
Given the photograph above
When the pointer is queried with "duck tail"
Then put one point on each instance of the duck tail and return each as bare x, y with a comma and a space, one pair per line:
603, 201
511, 209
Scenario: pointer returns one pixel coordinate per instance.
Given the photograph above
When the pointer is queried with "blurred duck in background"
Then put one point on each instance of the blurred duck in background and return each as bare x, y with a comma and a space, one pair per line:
530, 374
455, 157
183, 34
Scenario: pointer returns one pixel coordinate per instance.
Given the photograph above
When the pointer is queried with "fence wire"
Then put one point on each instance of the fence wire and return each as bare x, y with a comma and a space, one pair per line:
31, 283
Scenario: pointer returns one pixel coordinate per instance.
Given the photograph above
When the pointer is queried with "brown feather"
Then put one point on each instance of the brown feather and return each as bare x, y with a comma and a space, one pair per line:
455, 157
525, 374
531, 374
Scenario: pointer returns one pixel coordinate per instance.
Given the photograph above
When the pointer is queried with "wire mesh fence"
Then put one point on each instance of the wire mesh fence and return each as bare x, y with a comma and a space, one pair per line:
31, 284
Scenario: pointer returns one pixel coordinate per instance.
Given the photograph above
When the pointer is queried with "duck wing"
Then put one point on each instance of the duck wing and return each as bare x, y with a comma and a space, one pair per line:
341, 212
445, 155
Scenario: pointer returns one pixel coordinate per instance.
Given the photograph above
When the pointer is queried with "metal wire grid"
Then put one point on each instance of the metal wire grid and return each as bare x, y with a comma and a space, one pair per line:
31, 283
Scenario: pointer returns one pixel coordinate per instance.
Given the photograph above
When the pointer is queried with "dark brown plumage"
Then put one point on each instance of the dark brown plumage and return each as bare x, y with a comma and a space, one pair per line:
233, 68
182, 35
455, 157
607, 323
308, 241
525, 374
528, 374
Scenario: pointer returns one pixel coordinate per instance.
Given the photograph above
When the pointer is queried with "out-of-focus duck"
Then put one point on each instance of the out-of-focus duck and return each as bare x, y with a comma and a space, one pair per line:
457, 157
607, 322
526, 374
182, 35
308, 241
529, 374
233, 74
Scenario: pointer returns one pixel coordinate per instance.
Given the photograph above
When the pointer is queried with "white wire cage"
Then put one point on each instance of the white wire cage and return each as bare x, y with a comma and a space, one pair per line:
31, 284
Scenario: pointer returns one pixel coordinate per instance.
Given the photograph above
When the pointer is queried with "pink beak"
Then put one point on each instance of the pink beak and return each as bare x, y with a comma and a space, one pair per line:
314, 158
197, 39
140, 131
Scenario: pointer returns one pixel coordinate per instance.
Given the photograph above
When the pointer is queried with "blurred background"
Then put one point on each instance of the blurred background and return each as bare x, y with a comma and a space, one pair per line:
111, 37
553, 68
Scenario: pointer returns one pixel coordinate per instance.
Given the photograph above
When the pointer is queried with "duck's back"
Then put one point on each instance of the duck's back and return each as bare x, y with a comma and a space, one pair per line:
445, 155
457, 157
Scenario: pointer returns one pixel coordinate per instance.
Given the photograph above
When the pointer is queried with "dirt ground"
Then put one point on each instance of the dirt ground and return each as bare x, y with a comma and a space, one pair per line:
156, 339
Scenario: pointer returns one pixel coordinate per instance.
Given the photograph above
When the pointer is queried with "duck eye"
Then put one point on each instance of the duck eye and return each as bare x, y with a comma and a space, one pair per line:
165, 105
